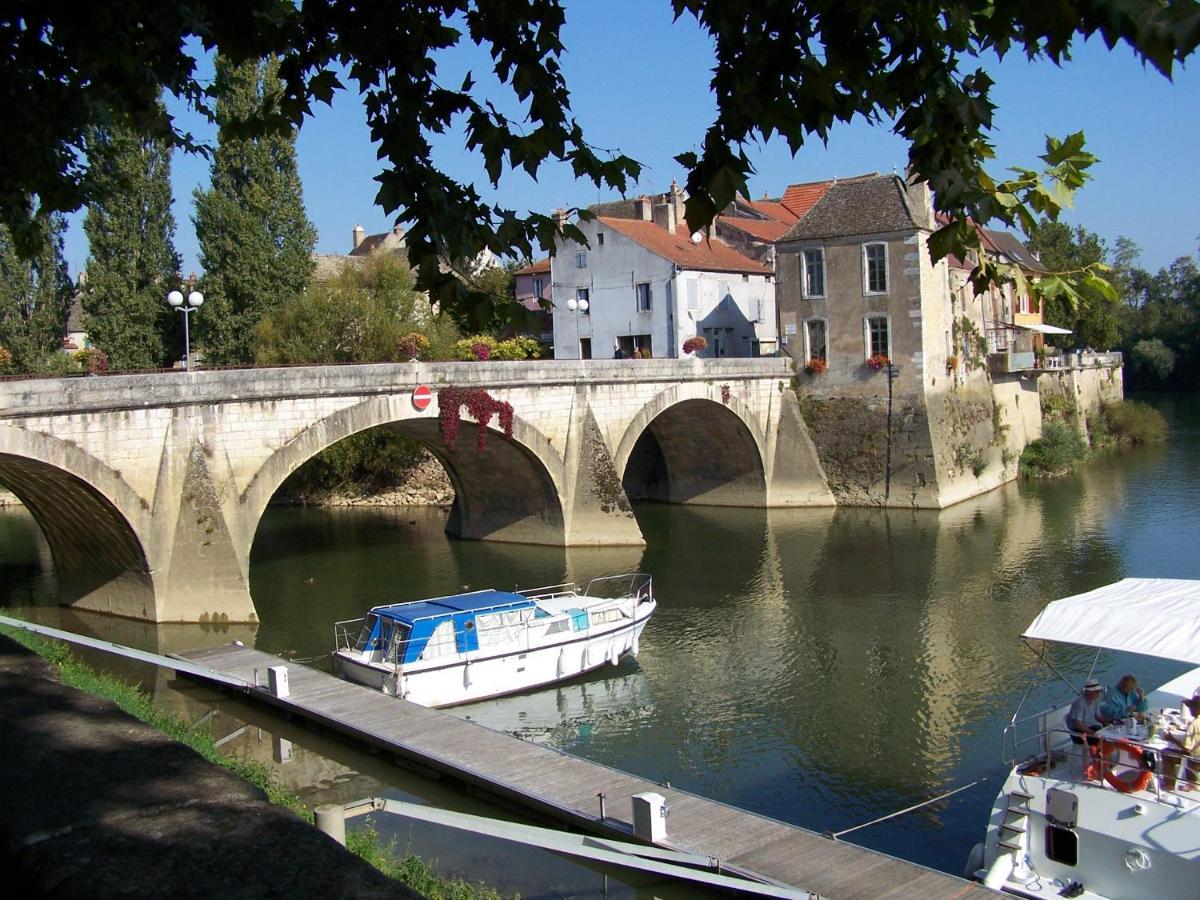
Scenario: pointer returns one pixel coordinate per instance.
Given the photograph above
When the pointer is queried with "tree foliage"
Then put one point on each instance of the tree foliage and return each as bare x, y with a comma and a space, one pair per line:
255, 239
364, 314
35, 297
132, 262
1161, 325
1091, 313
785, 68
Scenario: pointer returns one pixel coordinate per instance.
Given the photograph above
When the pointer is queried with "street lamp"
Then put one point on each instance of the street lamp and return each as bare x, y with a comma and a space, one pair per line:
194, 299
579, 308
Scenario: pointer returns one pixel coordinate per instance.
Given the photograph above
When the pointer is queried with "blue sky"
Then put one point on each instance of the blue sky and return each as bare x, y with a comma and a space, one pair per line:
640, 85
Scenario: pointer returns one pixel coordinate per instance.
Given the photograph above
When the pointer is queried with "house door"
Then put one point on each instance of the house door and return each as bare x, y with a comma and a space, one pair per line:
585, 348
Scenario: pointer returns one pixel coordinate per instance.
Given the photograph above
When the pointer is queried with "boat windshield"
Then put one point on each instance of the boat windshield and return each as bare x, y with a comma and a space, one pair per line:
368, 638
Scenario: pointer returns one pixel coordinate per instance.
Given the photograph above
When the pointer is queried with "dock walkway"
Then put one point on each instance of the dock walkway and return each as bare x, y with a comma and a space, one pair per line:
565, 788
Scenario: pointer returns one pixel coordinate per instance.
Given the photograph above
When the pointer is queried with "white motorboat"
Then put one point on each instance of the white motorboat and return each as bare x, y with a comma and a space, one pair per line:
481, 644
1102, 821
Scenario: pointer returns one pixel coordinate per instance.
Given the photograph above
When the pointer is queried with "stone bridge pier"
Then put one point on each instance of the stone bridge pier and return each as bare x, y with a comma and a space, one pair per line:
150, 488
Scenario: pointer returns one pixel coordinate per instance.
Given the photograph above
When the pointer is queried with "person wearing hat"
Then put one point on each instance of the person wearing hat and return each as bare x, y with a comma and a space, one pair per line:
1084, 716
1189, 742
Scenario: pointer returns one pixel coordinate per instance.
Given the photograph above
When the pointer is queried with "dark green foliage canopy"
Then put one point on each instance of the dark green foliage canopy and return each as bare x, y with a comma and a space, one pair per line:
132, 263
1091, 314
255, 239
783, 68
35, 296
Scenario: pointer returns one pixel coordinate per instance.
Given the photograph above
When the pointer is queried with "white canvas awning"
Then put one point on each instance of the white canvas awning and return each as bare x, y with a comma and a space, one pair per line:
1043, 328
1152, 616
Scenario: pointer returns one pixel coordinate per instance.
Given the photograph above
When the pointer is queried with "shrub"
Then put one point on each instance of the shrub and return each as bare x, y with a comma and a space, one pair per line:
94, 361
519, 347
1131, 422
413, 345
695, 345
1057, 452
59, 365
6, 361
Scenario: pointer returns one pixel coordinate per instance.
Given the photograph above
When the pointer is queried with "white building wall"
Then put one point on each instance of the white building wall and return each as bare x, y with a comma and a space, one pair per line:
683, 303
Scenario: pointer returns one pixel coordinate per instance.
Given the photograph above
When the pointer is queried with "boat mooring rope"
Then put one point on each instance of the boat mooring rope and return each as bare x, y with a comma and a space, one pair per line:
837, 834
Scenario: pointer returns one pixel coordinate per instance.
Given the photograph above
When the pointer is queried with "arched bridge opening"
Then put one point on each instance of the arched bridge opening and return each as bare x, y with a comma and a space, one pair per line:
503, 492
696, 451
99, 561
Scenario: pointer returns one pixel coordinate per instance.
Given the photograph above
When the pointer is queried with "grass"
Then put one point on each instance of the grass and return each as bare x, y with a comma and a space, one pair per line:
364, 843
1058, 451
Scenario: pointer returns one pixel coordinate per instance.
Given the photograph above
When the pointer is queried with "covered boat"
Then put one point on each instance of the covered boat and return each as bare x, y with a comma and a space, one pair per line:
1102, 819
467, 647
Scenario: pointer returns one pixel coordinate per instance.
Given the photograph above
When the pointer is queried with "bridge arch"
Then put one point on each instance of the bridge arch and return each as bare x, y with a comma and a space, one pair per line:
92, 520
508, 492
692, 445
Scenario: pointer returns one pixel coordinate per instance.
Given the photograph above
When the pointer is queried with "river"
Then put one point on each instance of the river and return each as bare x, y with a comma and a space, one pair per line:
824, 667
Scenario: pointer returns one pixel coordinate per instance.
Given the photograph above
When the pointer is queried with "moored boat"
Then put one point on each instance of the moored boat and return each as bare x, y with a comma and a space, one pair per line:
471, 646
1105, 817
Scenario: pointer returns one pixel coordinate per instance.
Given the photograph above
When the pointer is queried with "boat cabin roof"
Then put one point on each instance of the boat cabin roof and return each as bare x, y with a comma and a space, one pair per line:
1157, 617
441, 607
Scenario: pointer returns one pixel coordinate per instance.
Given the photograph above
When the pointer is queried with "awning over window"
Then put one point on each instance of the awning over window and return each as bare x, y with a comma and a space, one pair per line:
1042, 328
1152, 616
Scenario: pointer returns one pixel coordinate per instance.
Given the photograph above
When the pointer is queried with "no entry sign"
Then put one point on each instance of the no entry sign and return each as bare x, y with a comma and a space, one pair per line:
422, 396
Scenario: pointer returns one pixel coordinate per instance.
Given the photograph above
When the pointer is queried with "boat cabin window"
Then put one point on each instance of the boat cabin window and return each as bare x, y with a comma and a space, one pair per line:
503, 627
395, 651
560, 625
600, 616
365, 642
441, 642
1062, 845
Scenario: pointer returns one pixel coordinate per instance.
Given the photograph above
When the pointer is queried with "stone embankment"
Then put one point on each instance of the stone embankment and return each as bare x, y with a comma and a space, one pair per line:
426, 484
99, 804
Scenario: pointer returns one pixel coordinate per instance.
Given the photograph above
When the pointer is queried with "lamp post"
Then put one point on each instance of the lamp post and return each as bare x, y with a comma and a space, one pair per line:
176, 300
578, 308
893, 372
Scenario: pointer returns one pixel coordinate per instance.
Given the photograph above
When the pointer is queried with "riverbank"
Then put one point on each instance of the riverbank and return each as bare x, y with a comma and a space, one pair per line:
101, 803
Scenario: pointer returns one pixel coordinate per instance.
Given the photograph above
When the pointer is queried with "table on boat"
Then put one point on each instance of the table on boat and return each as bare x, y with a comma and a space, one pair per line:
1143, 740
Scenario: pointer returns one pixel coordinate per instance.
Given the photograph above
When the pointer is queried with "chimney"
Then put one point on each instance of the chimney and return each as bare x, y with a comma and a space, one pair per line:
664, 217
561, 218
642, 207
677, 200
359, 234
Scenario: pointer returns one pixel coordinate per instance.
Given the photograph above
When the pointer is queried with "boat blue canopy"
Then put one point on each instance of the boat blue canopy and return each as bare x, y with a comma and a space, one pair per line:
408, 613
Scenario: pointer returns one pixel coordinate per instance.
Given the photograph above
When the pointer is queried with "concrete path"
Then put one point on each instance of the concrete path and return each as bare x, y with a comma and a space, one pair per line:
98, 804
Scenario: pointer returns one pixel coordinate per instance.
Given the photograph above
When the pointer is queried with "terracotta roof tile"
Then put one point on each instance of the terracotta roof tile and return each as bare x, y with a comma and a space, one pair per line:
537, 267
709, 255
773, 209
760, 228
798, 199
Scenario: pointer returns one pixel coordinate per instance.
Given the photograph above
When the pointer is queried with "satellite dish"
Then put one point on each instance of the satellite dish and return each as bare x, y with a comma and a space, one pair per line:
697, 237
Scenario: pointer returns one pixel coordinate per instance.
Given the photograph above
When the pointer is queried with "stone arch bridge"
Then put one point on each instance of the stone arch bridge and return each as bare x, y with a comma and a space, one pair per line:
149, 488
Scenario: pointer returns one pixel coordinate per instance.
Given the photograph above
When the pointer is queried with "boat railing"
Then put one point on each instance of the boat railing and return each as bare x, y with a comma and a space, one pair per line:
1039, 734
345, 633
615, 587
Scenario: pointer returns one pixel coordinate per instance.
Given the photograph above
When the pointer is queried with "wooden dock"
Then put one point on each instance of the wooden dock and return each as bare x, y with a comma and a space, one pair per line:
563, 787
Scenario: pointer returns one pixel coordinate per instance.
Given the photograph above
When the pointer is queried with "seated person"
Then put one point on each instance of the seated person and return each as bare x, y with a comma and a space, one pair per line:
1189, 742
1124, 699
1084, 716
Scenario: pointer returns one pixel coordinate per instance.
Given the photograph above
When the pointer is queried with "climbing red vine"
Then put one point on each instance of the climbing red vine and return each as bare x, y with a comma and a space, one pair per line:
480, 405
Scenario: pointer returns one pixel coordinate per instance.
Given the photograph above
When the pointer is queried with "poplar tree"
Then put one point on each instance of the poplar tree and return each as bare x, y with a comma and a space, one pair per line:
255, 238
132, 262
35, 295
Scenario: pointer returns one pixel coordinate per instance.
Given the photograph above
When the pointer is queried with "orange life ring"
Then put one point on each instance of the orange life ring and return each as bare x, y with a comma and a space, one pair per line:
1130, 781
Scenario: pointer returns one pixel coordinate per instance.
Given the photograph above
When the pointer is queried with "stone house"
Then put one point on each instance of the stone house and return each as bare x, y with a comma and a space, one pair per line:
643, 284
916, 391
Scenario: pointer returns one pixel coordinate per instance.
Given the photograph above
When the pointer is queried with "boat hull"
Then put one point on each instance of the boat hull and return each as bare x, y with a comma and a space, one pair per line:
479, 676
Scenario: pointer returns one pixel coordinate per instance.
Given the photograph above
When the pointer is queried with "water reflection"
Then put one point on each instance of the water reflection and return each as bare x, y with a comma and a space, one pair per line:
820, 666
